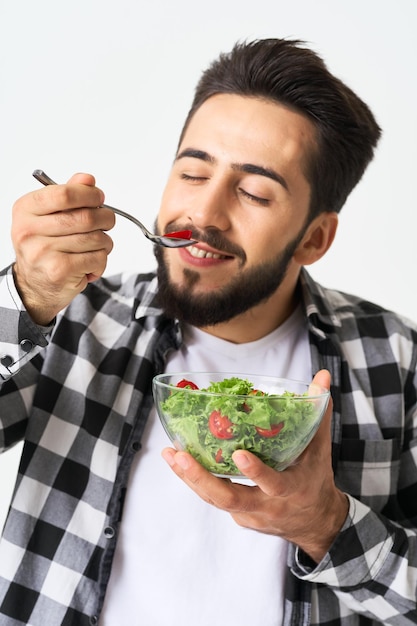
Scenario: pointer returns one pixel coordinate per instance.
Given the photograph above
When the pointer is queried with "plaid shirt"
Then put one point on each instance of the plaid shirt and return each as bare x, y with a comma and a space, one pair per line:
80, 396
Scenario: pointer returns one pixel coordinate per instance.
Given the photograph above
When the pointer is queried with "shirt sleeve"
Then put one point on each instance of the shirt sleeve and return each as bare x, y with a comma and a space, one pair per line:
20, 338
372, 566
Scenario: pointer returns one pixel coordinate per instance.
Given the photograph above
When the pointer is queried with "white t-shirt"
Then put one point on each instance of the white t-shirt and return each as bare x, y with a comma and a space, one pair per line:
180, 561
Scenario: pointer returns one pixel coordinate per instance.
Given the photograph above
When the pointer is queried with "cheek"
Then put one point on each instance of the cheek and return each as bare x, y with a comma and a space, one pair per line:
260, 243
161, 217
268, 233
170, 210
164, 218
166, 201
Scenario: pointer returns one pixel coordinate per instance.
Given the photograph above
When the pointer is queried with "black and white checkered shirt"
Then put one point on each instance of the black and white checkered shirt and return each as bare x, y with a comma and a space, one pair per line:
79, 396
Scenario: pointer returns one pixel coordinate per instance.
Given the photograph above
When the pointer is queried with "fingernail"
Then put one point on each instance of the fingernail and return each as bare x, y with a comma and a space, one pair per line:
241, 460
168, 456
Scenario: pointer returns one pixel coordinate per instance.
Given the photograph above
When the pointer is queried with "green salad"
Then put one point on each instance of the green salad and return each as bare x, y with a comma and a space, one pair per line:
211, 428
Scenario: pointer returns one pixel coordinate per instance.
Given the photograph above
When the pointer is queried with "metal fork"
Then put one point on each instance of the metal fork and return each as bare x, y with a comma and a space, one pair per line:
170, 240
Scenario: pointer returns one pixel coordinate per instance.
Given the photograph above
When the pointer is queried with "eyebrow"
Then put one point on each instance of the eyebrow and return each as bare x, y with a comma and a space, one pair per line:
248, 168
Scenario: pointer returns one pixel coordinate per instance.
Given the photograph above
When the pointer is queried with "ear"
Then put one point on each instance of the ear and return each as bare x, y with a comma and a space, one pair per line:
318, 238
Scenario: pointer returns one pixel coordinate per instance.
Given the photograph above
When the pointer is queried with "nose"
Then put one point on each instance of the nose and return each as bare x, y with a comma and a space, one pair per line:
211, 207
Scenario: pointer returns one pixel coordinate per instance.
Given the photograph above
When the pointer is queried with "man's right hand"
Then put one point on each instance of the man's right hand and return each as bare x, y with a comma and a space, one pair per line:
60, 244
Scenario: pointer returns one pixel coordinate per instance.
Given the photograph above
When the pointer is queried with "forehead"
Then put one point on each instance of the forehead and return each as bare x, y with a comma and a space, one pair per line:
246, 124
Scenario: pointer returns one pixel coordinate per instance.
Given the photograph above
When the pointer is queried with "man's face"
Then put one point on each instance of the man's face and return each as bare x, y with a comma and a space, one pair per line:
238, 183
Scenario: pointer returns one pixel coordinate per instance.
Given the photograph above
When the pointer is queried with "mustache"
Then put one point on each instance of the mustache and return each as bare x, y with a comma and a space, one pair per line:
210, 236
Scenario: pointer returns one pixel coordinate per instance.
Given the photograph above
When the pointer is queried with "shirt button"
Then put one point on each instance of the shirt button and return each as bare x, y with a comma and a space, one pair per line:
26, 345
136, 446
6, 360
109, 532
93, 620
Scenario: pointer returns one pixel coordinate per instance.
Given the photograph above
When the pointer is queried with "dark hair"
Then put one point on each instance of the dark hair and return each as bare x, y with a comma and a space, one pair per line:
287, 72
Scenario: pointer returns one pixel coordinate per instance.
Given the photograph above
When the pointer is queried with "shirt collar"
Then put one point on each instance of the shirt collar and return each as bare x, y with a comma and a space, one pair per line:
322, 318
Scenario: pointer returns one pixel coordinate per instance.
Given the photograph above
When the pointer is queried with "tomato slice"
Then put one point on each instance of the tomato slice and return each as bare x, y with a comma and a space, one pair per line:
219, 456
270, 432
220, 426
186, 383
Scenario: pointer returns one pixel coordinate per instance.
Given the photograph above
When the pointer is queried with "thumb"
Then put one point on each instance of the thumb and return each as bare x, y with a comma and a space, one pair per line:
321, 379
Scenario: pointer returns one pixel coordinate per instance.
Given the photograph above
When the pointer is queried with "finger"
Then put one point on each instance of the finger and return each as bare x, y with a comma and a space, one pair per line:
322, 439
220, 492
54, 198
187, 468
78, 243
275, 483
72, 221
61, 223
270, 481
321, 442
322, 379
82, 179
58, 269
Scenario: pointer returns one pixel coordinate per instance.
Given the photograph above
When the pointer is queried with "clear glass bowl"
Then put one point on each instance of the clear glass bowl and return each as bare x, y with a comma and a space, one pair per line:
274, 418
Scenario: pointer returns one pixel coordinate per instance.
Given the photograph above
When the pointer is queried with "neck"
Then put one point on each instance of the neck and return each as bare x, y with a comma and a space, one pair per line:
260, 320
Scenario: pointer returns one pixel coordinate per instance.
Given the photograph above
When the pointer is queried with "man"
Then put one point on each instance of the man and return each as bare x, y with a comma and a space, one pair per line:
100, 531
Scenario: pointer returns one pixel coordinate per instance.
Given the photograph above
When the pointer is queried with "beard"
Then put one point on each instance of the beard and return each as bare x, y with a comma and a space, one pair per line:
245, 290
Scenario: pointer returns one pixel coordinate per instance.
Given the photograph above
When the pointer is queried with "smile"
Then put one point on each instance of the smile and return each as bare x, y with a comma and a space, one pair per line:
199, 253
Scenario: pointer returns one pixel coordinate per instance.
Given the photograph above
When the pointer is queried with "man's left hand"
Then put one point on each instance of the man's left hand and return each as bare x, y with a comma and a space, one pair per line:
301, 504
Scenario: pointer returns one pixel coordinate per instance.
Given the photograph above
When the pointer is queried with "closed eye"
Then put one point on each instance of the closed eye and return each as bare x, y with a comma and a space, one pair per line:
257, 199
189, 177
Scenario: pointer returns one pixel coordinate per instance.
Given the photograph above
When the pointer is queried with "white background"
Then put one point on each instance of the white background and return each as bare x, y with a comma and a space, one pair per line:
104, 87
